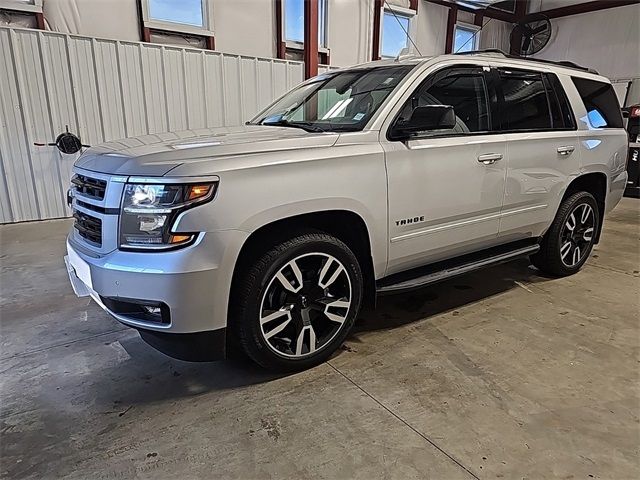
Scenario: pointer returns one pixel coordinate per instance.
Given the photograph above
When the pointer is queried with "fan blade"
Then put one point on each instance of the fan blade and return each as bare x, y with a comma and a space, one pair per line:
526, 43
540, 29
526, 30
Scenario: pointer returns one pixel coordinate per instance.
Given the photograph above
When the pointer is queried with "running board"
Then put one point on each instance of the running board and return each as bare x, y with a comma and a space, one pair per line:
437, 272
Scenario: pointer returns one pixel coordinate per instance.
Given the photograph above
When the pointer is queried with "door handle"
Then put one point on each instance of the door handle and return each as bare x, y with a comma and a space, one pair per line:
566, 150
489, 158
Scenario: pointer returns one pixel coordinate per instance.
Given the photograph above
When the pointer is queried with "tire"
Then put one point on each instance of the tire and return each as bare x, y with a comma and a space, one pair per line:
285, 324
567, 244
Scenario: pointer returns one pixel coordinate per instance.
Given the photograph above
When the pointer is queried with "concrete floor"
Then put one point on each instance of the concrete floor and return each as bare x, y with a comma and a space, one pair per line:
497, 374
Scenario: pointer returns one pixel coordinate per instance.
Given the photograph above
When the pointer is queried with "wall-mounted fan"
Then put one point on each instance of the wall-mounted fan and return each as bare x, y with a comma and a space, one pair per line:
530, 35
67, 142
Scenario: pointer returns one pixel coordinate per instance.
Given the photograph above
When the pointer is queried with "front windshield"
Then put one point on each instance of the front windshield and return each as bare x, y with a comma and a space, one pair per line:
340, 101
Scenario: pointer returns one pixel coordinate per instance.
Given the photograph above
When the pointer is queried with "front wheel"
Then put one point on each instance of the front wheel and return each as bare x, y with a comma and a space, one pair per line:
566, 246
295, 306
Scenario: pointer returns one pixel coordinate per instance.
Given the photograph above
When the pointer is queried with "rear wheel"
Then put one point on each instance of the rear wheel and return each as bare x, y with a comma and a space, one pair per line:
566, 246
295, 306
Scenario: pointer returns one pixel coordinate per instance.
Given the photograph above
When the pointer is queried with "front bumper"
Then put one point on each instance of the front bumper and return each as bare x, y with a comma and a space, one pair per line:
193, 283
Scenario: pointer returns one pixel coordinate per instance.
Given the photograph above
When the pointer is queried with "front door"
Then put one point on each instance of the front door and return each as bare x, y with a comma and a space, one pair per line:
446, 187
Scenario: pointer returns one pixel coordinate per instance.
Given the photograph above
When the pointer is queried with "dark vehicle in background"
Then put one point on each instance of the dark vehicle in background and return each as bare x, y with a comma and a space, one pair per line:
632, 114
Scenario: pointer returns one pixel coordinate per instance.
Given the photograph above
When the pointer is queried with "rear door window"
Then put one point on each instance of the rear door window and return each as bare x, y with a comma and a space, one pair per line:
525, 102
603, 110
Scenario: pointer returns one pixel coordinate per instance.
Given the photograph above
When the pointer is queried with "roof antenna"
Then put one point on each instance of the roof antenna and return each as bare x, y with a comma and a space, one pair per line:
403, 29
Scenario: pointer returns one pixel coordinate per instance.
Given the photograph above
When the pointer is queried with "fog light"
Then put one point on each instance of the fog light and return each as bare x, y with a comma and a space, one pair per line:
152, 310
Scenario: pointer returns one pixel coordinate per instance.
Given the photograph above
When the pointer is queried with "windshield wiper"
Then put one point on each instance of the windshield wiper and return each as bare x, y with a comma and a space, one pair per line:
307, 126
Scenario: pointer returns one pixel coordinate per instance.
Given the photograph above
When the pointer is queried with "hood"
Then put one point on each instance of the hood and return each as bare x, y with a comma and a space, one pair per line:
158, 154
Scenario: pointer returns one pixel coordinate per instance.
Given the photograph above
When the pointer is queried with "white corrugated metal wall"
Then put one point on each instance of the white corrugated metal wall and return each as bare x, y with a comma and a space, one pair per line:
105, 90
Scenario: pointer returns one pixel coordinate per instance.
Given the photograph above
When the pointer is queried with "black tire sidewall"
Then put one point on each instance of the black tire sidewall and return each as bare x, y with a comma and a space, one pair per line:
554, 260
258, 280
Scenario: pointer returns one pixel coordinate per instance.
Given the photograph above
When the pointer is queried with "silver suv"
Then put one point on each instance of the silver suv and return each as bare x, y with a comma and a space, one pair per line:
375, 179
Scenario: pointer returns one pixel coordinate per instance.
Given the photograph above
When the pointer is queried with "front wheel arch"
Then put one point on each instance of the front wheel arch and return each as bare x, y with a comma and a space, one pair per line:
256, 305
346, 225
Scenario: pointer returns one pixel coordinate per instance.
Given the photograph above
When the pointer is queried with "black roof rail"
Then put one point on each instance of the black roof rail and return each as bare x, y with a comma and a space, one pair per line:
563, 63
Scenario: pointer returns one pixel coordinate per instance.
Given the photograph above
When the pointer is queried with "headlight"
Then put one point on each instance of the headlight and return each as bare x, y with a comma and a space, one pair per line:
149, 211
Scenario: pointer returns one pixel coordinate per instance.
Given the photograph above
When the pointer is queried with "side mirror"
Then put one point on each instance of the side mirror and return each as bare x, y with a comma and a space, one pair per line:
427, 117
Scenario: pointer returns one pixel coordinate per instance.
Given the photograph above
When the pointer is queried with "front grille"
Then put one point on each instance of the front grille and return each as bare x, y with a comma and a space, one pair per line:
89, 187
89, 228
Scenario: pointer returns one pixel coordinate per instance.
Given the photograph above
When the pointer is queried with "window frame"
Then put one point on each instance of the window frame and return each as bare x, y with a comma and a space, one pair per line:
490, 91
17, 6
501, 103
554, 87
166, 26
400, 12
323, 37
476, 32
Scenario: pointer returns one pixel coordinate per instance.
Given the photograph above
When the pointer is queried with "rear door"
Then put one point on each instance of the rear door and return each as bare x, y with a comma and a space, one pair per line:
542, 149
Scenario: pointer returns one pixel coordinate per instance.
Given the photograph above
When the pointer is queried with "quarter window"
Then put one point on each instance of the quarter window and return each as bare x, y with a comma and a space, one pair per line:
462, 88
526, 106
603, 110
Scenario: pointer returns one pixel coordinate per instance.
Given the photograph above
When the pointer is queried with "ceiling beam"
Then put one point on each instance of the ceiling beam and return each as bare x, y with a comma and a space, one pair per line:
310, 53
516, 39
377, 25
281, 46
587, 7
451, 28
487, 12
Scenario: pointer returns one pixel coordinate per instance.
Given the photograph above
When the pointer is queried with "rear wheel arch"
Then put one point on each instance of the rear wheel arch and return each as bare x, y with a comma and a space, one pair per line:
596, 184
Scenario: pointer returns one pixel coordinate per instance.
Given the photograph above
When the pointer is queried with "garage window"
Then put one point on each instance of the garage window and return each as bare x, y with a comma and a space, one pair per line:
603, 110
31, 6
187, 16
294, 22
396, 28
188, 12
465, 38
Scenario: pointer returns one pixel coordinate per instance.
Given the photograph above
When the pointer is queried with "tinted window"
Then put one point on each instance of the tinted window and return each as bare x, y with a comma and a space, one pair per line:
601, 103
464, 90
526, 106
561, 114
